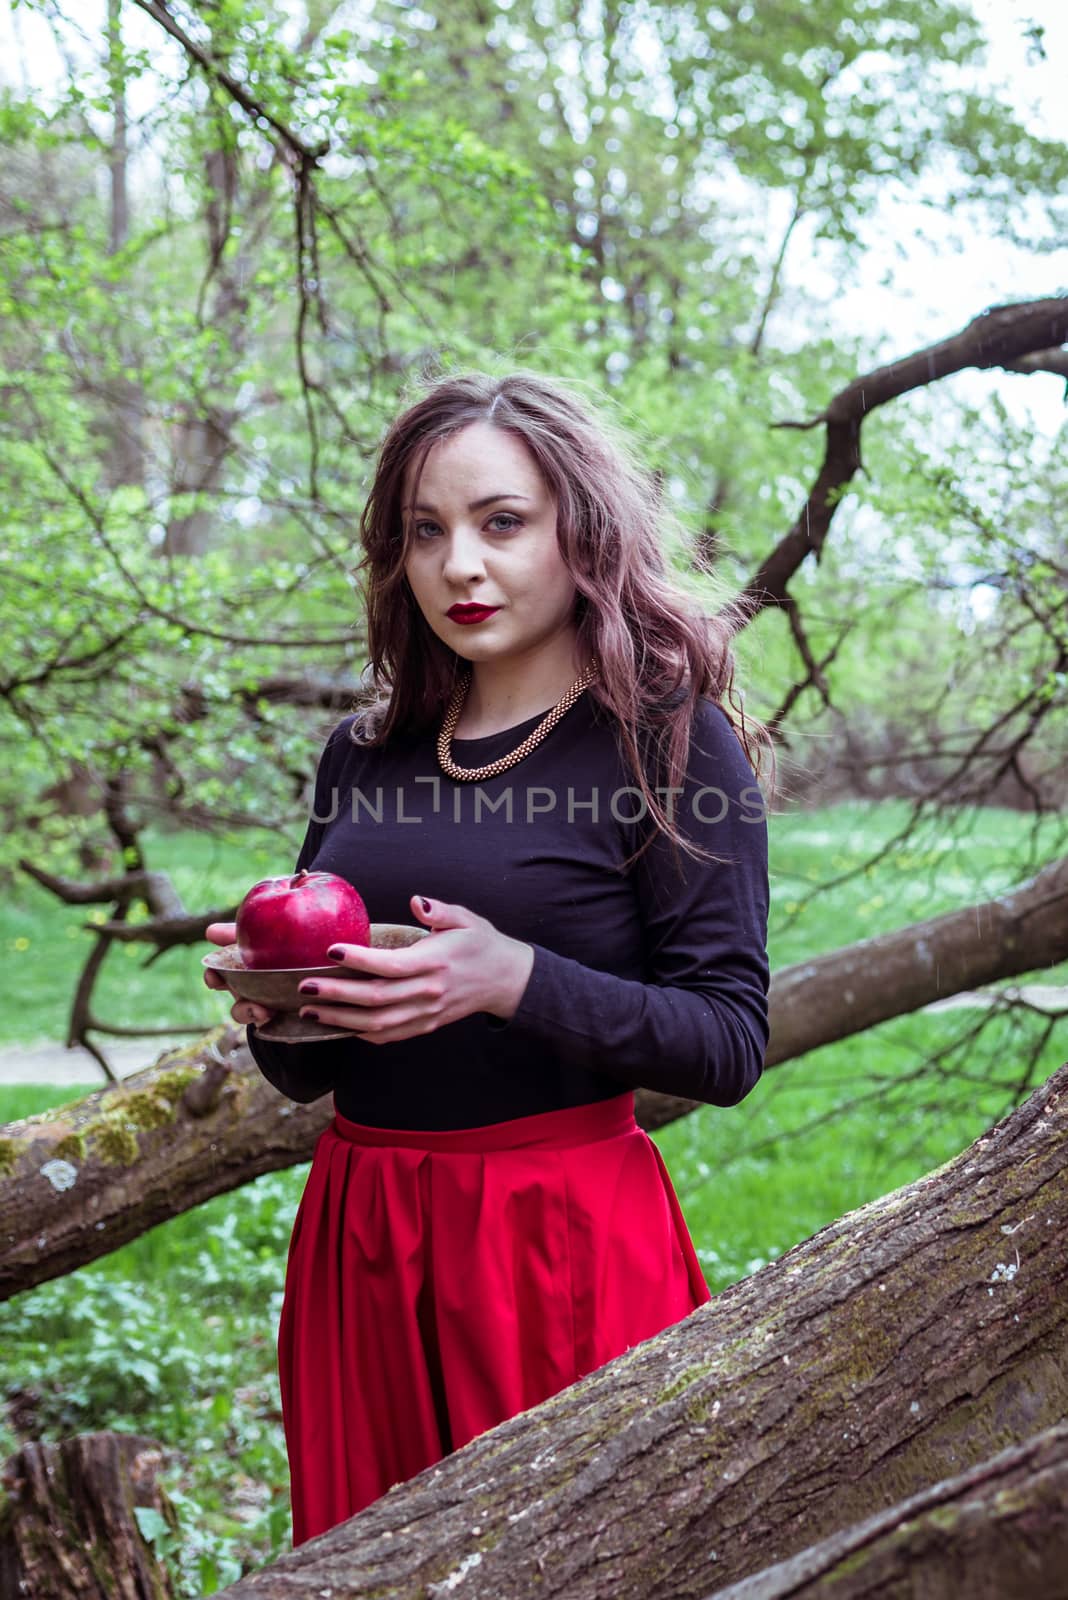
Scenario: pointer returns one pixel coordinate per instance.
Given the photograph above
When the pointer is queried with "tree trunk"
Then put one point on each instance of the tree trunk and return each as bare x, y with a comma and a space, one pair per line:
998, 1532
202, 449
124, 460
899, 1346
204, 1121
69, 1528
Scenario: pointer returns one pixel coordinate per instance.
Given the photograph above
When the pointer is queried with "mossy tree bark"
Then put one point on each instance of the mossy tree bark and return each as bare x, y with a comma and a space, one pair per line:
79, 1182
68, 1526
997, 1532
902, 1345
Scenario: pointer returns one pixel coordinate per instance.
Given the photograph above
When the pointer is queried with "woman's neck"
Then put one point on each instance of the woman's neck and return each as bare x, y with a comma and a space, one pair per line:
504, 694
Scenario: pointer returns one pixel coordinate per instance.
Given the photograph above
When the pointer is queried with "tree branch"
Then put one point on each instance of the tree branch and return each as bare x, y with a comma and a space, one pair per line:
154, 888
257, 112
1000, 337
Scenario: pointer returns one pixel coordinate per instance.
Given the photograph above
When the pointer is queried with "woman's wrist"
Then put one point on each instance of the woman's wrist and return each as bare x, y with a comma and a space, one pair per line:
516, 965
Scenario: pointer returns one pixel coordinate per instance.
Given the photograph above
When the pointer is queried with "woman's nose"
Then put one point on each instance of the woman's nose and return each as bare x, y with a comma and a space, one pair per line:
463, 558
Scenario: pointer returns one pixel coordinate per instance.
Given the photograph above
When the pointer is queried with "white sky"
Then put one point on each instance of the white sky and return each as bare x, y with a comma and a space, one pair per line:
918, 291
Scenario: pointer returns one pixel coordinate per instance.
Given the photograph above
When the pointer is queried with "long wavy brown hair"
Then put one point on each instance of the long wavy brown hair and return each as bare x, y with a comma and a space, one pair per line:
659, 652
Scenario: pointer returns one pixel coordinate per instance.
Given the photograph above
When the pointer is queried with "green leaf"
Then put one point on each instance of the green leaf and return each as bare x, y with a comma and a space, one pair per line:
153, 1525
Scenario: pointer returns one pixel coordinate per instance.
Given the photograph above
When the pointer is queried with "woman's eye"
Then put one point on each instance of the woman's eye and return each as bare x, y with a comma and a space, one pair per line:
501, 522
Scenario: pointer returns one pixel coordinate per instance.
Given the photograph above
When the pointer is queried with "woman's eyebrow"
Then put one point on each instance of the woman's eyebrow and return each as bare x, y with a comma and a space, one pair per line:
480, 505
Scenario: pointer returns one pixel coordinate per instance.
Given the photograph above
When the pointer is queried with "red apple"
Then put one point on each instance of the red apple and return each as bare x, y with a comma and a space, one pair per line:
293, 922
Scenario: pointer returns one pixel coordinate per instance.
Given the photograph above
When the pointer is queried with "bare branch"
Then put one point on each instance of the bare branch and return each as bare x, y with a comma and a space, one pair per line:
814, 670
1000, 337
1053, 360
154, 888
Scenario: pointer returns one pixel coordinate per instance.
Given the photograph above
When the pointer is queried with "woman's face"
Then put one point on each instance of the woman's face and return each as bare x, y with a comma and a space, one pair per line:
482, 531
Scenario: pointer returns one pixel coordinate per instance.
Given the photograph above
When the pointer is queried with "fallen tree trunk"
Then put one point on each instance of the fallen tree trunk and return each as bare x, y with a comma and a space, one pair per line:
997, 1532
901, 1345
69, 1527
81, 1181
818, 1002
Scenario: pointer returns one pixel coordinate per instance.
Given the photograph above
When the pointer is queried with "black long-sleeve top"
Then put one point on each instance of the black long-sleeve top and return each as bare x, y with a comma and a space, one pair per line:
654, 977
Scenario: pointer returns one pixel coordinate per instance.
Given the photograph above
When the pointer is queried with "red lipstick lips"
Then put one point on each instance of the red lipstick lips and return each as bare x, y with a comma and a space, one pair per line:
470, 613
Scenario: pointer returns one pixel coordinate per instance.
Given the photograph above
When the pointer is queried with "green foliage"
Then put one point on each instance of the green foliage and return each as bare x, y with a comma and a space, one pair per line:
173, 1337
618, 195
161, 414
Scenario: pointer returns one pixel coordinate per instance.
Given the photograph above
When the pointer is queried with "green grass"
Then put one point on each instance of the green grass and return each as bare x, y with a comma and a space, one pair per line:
174, 1334
945, 864
822, 1136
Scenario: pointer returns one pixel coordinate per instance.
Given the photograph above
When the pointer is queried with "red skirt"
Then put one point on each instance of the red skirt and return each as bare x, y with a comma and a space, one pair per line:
441, 1282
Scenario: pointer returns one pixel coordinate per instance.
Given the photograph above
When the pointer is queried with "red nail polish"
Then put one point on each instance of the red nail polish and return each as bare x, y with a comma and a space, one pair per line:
309, 988
310, 1016
336, 954
425, 903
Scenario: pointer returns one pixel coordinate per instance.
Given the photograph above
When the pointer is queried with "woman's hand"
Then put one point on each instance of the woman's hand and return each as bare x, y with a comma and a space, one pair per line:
465, 965
243, 1010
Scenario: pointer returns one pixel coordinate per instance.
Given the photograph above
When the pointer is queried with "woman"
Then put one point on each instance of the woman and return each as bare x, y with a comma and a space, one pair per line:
547, 781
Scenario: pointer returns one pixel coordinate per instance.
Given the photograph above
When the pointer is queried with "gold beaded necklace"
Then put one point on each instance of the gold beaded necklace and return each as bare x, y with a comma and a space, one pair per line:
492, 768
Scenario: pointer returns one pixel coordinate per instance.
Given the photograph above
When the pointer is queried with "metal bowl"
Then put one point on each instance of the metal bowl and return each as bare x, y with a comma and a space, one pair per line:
278, 988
